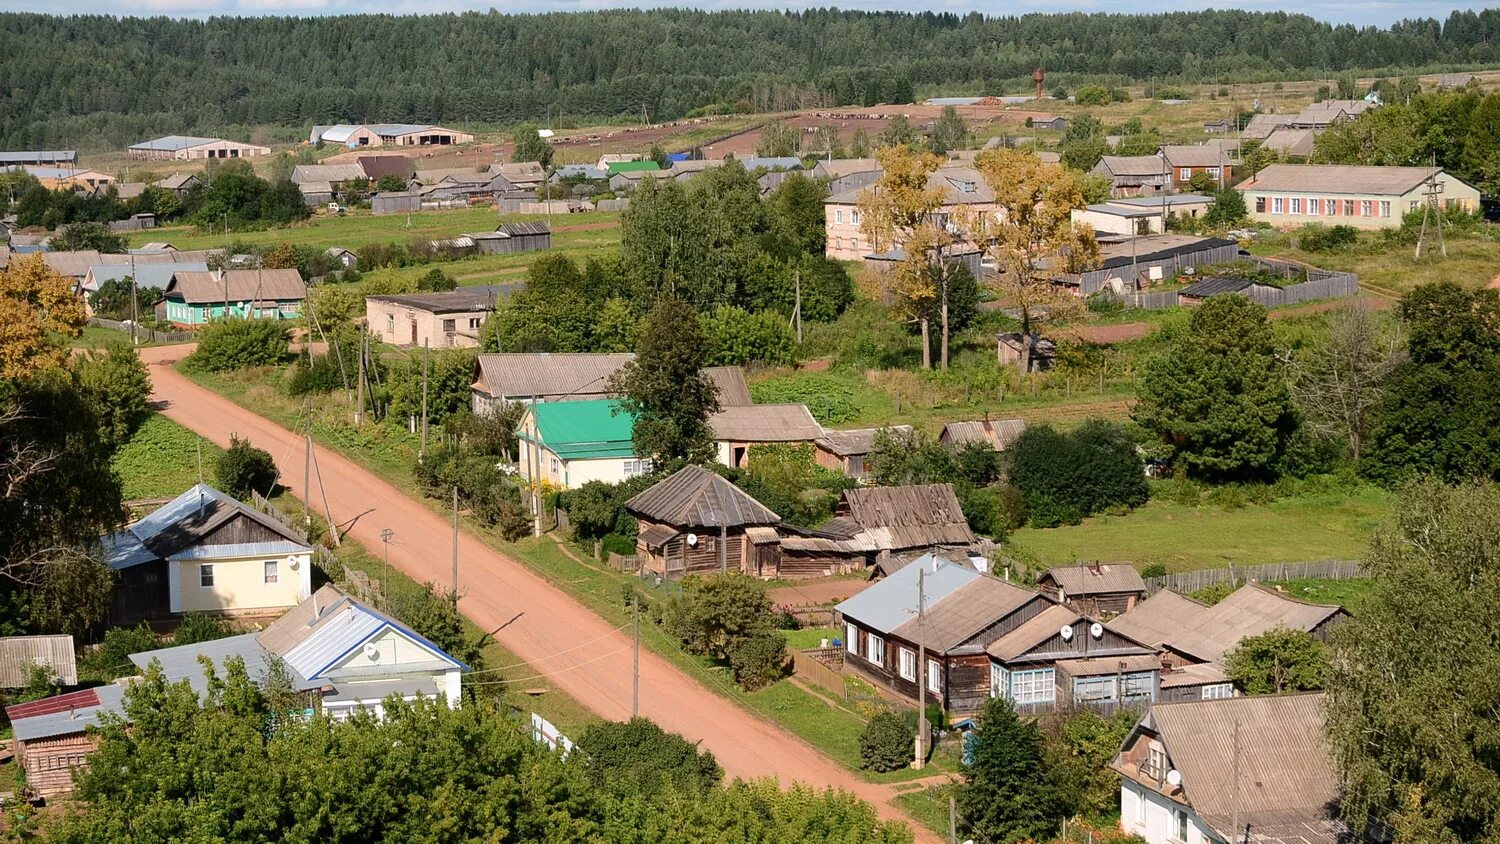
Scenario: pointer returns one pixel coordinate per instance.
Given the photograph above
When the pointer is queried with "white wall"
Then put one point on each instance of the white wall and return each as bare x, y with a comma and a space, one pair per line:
239, 584
1152, 816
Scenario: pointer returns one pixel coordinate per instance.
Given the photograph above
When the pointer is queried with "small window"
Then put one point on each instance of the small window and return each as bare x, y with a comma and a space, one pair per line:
449, 326
272, 571
934, 676
556, 467
1333, 207
851, 637
1181, 832
1348, 208
875, 649
1278, 205
908, 665
1314, 206
1156, 762
1213, 171
1260, 205
206, 576
1367, 207
1185, 173
854, 217
999, 681
838, 215
1385, 208
1296, 205
473, 323
1140, 808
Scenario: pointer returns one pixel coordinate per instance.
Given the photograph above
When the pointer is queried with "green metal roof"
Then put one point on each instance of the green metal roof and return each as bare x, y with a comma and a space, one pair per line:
632, 166
585, 430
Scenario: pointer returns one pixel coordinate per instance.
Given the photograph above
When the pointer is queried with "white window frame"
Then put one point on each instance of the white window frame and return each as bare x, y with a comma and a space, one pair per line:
874, 649
838, 216
1140, 808
1367, 207
634, 468
854, 217
205, 575
1034, 685
1218, 691
1215, 172
1155, 765
1181, 828
1184, 174
271, 572
999, 680
934, 676
556, 466
851, 637
1296, 206
1385, 208
906, 666
1278, 205
1314, 206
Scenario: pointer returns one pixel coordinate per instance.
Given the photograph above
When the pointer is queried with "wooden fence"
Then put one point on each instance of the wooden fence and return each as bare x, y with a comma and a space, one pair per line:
149, 335
1192, 581
1320, 284
823, 667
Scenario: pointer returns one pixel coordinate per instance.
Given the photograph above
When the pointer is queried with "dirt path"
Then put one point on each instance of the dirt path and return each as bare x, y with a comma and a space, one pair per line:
580, 652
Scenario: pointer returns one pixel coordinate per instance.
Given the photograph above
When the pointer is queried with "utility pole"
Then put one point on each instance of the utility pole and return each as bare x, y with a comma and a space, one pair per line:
797, 309
921, 669
535, 461
307, 468
426, 367
953, 821
359, 407
135, 314
723, 549
455, 548
635, 680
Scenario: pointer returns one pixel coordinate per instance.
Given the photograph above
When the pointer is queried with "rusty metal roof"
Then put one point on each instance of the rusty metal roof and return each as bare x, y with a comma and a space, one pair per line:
695, 497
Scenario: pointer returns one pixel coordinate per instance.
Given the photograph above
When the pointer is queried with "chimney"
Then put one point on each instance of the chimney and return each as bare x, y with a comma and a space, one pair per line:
1095, 568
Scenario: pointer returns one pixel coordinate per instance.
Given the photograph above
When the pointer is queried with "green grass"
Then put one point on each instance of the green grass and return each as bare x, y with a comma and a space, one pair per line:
1392, 270
1333, 525
94, 337
810, 637
161, 460
361, 227
1345, 593
927, 806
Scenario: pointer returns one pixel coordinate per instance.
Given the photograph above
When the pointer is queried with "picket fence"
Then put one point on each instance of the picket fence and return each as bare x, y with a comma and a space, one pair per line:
1192, 581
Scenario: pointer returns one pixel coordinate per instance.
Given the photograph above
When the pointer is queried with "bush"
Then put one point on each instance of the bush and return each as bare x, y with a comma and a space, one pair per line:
112, 658
886, 743
197, 627
239, 343
1317, 237
1154, 570
830, 400
639, 757
1044, 511
243, 468
737, 337
1106, 304
1066, 476
1092, 95
759, 660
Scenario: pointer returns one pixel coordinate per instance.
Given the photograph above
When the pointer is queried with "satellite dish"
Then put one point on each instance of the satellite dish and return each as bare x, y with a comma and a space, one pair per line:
292, 562
692, 540
1066, 632
372, 651
1174, 778
1096, 630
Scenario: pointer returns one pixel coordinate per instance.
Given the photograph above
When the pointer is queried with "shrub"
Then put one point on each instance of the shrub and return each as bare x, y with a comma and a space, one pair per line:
1317, 237
1106, 304
243, 468
758, 660
197, 627
830, 400
1066, 476
1092, 95
639, 757
112, 658
737, 337
1154, 570
436, 281
886, 743
239, 343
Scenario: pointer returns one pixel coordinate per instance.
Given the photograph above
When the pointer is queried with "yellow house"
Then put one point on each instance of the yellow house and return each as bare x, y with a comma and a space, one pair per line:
206, 552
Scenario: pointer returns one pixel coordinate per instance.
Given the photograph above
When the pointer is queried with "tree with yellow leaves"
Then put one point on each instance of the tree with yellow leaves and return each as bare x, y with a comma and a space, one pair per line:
35, 300
1031, 235
899, 212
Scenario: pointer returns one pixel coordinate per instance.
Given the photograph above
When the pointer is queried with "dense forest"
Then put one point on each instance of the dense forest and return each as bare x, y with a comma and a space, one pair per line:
97, 81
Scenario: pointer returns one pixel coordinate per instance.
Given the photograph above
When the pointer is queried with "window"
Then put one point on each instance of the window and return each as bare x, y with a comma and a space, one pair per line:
1367, 208
854, 217
1385, 208
1093, 689
556, 467
1333, 207
1348, 208
838, 215
637, 467
1296, 205
1034, 686
474, 323
1314, 206
272, 574
390, 324
1140, 808
206, 576
908, 665
1218, 691
1213, 171
1278, 205
448, 326
1181, 831
874, 649
999, 681
1138, 686
1260, 205
1156, 762
1184, 173
851, 637
934, 676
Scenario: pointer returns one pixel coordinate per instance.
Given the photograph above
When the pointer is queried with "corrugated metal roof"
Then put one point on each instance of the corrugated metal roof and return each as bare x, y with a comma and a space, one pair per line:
1218, 286
148, 276
731, 384
1098, 666
854, 441
65, 714
325, 173
1197, 674
182, 662
964, 612
585, 429
1039, 628
1259, 126
888, 604
463, 299
174, 142
1133, 165
1208, 633
525, 227
39, 156
547, 375
999, 433
240, 549
696, 497
1197, 155
19, 653
1096, 579
765, 423
322, 631
177, 525
1159, 618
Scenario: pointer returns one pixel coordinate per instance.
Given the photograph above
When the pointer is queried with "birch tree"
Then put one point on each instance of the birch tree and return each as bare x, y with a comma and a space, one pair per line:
898, 213
1339, 382
1031, 235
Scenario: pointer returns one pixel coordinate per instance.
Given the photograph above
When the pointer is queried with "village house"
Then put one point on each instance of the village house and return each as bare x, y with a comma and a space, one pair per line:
1062, 658
609, 158
375, 166
951, 611
898, 523
848, 450
1366, 197
185, 148
1290, 143
964, 191
178, 184
739, 428
387, 134
1095, 589
67, 178
1260, 126
344, 257
193, 299
144, 276
848, 174
1322, 115
206, 552
1239, 769
998, 434
1009, 345
76, 264
1134, 175
696, 521
1206, 633
340, 655
437, 320
508, 377
319, 183
20, 655
521, 176
583, 171
1184, 161
566, 444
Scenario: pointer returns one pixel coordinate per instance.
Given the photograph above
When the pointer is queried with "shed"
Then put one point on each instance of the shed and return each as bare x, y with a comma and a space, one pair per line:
1220, 286
1008, 347
1095, 588
739, 427
905, 518
996, 433
697, 521
848, 449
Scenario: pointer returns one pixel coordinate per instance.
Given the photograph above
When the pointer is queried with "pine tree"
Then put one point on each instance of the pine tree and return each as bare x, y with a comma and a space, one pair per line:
1006, 794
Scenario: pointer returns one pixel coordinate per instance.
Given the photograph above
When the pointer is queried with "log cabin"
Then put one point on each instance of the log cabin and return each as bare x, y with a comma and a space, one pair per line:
1095, 589
696, 521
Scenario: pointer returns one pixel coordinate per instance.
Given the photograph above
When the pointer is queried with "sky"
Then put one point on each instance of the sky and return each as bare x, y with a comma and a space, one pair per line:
1358, 12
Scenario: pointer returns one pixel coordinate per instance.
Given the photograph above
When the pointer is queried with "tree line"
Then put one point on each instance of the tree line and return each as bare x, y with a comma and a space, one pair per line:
110, 82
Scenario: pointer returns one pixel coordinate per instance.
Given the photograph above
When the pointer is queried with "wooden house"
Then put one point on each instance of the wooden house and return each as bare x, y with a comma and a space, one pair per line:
1095, 588
1244, 769
509, 238
961, 613
904, 520
566, 444
738, 428
193, 299
998, 434
696, 521
1063, 658
1134, 175
206, 552
848, 450
1199, 633
1184, 161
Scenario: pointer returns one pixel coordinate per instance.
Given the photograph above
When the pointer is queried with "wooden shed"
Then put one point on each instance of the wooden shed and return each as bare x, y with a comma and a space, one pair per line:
696, 521
1095, 588
917, 517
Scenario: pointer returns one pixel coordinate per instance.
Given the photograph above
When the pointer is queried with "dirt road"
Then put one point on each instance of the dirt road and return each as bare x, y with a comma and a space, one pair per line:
556, 635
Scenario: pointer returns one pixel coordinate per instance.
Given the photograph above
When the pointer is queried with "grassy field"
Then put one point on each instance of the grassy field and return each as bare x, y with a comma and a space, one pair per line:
361, 227
1334, 525
162, 459
1392, 270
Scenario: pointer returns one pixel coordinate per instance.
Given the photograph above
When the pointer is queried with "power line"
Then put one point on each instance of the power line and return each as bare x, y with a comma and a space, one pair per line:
551, 655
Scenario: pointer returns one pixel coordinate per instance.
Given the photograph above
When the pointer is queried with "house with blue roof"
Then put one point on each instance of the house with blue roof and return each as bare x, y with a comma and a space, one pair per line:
206, 552
339, 654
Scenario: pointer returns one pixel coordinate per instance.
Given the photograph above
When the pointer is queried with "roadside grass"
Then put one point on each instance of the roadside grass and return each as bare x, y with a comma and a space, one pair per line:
95, 337
1318, 526
927, 806
361, 227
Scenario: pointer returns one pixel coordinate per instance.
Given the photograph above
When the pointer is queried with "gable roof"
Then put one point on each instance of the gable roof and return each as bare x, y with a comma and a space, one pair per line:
461, 175
1159, 618
1261, 125
694, 496
853, 441
909, 516
1288, 141
174, 142
520, 375
1286, 778
148, 276
765, 423
182, 522
1340, 178
888, 604
845, 166
963, 613
616, 167
998, 433
1083, 580
375, 166
585, 430
177, 181
1207, 633
327, 173
65, 714
730, 382
1197, 155
1037, 629
19, 653
237, 286
321, 632
1132, 165
462, 300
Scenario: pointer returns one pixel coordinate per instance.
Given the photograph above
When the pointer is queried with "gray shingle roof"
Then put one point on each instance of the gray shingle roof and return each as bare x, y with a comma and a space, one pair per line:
730, 382
998, 433
237, 286
1339, 178
696, 497
521, 375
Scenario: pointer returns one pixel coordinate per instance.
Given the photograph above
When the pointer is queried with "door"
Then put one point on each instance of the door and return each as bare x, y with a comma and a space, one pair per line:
414, 332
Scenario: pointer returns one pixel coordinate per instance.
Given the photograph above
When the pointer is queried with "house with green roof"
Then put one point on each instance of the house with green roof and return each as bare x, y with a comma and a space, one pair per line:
566, 444
633, 166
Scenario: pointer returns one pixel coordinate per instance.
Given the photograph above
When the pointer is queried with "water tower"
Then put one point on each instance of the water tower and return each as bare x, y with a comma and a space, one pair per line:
1038, 77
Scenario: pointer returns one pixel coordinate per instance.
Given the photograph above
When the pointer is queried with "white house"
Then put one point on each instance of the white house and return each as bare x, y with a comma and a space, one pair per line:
207, 552
1365, 197
566, 444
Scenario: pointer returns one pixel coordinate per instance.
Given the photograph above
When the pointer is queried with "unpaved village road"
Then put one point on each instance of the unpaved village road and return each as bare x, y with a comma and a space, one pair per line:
530, 617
